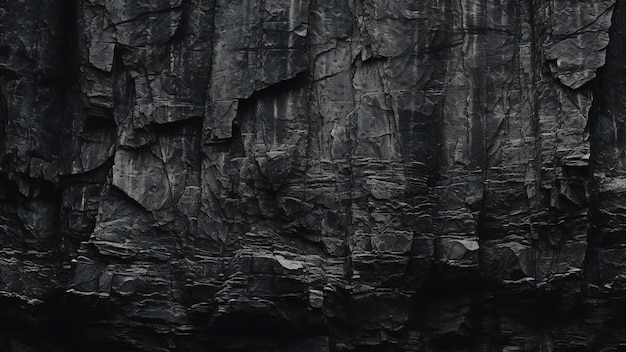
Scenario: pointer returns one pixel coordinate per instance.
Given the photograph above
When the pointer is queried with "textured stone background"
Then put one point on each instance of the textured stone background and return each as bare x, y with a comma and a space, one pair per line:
312, 175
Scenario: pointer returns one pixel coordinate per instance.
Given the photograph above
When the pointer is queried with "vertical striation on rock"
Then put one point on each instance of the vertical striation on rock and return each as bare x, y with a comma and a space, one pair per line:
273, 175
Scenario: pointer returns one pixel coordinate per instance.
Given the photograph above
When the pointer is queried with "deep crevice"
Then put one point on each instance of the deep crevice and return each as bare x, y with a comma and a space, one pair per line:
602, 137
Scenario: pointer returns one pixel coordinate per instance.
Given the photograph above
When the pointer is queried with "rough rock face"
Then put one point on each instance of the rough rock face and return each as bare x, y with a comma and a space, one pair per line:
338, 175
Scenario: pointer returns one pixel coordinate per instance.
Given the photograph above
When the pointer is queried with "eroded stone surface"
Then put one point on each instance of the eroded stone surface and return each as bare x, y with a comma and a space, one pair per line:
292, 175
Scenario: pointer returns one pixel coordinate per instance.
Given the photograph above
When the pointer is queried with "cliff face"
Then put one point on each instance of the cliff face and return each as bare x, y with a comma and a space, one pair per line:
273, 175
